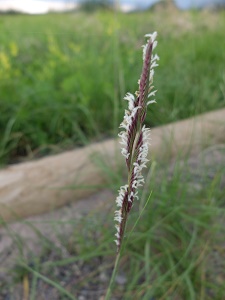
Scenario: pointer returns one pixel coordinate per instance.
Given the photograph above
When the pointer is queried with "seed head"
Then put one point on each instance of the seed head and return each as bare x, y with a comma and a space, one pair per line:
135, 137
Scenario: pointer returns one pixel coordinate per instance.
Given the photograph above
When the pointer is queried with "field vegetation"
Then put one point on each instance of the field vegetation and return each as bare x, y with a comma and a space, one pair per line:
174, 247
63, 77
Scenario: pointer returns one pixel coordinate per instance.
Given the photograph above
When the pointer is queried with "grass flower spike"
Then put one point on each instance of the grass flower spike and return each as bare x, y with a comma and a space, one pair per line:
135, 137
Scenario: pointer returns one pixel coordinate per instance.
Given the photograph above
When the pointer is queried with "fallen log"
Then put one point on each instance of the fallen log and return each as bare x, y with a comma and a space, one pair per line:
39, 186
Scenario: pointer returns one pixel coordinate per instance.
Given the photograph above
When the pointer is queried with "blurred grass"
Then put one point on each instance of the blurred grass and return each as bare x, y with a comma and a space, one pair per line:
63, 77
167, 255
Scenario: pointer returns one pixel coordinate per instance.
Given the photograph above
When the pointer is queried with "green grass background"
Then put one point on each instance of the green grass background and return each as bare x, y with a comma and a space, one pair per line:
63, 77
62, 81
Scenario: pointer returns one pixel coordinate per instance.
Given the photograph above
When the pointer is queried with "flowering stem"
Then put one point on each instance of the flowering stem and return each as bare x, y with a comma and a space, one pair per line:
135, 138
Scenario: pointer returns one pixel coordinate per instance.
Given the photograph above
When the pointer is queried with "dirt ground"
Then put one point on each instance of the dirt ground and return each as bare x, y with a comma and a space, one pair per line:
210, 161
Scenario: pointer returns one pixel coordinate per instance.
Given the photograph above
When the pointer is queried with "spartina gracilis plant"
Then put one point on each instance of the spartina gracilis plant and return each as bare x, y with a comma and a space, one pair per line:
135, 137
135, 141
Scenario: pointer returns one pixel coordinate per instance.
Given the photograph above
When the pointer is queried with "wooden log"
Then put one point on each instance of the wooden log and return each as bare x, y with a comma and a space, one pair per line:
39, 186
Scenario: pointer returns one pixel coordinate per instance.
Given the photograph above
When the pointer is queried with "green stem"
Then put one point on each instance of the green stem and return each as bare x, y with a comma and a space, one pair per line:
115, 268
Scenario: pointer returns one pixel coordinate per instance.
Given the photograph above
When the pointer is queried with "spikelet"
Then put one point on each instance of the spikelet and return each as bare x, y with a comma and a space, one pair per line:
135, 137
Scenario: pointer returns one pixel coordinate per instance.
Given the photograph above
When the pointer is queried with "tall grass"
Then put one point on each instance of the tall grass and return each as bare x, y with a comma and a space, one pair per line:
54, 92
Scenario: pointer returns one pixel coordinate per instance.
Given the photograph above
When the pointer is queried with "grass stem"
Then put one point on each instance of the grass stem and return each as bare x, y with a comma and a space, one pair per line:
115, 268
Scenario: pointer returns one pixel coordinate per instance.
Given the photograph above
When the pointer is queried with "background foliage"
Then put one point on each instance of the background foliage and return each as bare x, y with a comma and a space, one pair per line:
63, 77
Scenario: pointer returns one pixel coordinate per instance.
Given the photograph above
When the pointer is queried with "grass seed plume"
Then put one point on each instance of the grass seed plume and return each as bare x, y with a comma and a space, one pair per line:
135, 137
